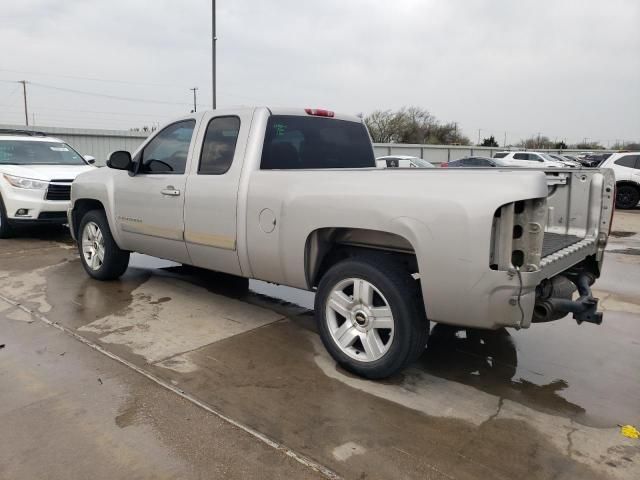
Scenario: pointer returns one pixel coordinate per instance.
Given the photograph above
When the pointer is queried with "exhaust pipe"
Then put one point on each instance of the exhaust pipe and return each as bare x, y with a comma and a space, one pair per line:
555, 301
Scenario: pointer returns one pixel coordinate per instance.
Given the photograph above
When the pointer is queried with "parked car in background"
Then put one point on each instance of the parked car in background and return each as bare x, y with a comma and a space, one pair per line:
626, 166
566, 160
575, 158
477, 162
36, 172
528, 159
593, 160
402, 161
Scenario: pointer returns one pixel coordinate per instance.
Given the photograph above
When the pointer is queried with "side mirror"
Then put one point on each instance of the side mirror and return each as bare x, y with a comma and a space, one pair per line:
120, 160
90, 159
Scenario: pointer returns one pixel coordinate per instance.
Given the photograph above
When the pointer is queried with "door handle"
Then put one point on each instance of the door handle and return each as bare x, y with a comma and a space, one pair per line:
170, 191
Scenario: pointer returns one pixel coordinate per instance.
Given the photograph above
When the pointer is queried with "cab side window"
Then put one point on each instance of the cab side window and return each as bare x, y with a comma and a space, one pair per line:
521, 156
392, 163
167, 152
219, 146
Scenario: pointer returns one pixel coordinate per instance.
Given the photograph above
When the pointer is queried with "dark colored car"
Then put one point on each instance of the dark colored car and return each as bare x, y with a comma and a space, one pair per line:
595, 159
477, 162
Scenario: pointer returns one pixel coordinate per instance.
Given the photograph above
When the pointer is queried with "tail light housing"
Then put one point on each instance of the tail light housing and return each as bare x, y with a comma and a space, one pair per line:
319, 112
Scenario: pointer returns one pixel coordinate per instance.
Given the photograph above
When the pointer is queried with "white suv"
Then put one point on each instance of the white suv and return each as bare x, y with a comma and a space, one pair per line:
528, 159
36, 172
626, 167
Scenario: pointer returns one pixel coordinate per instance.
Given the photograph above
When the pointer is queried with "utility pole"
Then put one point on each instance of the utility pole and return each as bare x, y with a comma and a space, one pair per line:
505, 140
195, 107
213, 50
479, 130
24, 94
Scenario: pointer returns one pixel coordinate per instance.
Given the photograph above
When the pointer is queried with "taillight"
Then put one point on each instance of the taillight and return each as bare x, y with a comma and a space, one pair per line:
444, 165
319, 112
613, 208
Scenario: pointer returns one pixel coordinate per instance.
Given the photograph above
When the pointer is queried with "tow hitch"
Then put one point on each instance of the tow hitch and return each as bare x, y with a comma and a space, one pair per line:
556, 302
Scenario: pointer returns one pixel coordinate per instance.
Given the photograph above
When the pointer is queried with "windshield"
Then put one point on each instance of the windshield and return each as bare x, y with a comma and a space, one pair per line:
298, 142
549, 157
25, 152
421, 163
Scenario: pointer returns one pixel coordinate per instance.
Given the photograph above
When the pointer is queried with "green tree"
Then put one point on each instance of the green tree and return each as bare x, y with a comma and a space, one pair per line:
489, 142
587, 146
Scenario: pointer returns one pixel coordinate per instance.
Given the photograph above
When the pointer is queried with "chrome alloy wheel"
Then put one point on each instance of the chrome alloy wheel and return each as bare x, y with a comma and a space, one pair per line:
359, 319
93, 246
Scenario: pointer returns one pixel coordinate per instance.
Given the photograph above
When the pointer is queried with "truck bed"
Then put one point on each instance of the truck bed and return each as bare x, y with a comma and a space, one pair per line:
554, 242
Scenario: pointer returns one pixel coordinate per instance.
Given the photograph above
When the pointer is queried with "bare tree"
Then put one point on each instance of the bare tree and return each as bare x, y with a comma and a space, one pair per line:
412, 125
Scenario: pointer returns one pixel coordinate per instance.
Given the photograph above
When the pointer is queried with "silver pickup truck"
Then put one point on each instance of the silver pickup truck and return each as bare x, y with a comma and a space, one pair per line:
293, 197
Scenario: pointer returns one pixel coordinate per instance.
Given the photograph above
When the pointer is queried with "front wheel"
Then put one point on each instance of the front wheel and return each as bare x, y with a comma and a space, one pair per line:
100, 255
627, 197
370, 316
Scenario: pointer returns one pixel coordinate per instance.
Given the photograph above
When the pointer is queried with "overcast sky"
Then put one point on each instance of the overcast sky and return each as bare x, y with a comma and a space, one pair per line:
566, 68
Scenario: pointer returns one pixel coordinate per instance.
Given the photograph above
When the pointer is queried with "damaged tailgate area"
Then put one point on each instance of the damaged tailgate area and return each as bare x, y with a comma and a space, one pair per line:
560, 240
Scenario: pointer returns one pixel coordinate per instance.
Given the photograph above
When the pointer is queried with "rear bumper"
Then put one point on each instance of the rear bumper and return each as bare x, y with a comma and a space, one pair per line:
506, 299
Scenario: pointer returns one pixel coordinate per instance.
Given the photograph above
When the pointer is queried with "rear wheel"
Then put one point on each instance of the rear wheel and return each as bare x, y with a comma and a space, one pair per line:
370, 316
627, 196
100, 255
5, 228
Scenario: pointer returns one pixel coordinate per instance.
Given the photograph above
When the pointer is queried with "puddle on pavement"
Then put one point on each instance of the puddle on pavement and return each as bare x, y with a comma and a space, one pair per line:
587, 373
626, 251
621, 234
294, 296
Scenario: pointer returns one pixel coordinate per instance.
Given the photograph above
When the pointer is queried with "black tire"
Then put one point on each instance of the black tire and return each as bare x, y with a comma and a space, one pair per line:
627, 196
401, 291
115, 260
5, 228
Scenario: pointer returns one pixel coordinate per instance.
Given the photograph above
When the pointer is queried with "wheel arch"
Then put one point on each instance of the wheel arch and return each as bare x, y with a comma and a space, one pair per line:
328, 245
80, 207
628, 183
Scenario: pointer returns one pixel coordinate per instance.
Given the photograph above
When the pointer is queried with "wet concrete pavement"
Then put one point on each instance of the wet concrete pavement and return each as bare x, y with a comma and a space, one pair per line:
69, 412
539, 403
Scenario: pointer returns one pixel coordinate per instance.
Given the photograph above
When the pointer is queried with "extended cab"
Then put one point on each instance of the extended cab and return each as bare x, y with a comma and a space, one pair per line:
294, 197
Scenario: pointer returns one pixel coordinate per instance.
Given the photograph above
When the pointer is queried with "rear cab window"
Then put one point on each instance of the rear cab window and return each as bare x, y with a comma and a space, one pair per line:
297, 142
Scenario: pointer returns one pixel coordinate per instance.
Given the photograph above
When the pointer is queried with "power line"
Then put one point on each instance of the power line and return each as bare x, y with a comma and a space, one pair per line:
94, 79
103, 95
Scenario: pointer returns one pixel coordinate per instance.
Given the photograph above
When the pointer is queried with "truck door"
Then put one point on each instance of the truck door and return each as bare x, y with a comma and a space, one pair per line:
212, 190
149, 205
